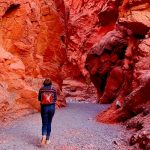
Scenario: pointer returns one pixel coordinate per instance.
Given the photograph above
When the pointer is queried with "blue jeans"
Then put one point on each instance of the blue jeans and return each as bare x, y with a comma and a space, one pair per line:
47, 113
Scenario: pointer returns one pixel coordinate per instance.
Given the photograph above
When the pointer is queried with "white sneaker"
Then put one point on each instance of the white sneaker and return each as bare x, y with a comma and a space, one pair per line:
47, 142
43, 141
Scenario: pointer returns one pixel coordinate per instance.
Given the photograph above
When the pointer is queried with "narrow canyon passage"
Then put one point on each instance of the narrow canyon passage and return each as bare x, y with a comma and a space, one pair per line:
94, 51
74, 128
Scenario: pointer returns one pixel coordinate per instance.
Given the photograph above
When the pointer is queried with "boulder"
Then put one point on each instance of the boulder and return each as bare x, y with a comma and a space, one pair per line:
101, 59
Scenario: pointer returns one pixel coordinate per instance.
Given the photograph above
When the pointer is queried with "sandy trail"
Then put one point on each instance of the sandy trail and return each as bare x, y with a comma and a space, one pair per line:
73, 128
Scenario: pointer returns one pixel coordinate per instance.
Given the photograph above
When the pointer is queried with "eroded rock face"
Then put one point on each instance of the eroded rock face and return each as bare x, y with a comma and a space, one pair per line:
32, 30
133, 94
136, 16
31, 48
109, 12
83, 30
104, 56
108, 41
119, 62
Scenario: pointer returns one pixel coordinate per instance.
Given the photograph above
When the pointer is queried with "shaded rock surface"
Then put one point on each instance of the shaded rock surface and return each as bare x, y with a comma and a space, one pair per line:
102, 58
79, 91
83, 30
110, 39
119, 63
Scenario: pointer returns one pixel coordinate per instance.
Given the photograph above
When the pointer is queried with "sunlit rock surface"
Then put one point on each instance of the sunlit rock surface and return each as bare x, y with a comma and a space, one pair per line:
31, 48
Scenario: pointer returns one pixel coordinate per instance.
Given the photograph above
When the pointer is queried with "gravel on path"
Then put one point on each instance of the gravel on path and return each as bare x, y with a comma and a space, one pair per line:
73, 128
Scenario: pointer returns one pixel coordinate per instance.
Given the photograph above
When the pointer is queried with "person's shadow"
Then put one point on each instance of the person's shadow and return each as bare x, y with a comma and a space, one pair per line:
34, 140
31, 138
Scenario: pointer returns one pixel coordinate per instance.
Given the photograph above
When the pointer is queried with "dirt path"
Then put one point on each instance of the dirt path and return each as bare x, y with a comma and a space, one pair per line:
74, 128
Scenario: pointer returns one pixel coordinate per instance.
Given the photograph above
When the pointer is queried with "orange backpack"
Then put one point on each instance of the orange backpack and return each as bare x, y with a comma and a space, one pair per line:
47, 98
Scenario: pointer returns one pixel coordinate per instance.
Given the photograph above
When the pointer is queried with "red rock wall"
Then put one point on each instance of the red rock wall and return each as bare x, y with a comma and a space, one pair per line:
128, 85
83, 30
110, 39
31, 48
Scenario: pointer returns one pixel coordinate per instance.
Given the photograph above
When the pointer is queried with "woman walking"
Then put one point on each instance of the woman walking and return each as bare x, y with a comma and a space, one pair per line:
47, 97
